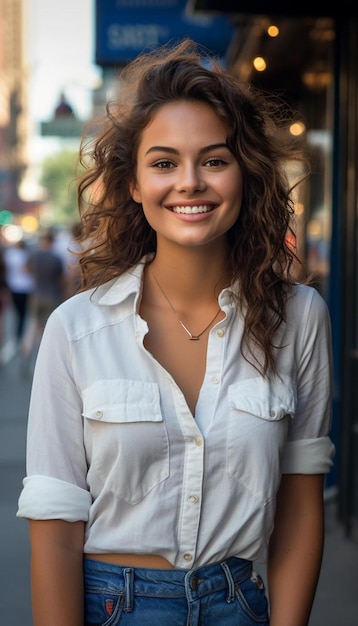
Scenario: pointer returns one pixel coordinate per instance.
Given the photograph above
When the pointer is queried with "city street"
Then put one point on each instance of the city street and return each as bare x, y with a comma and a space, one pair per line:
337, 596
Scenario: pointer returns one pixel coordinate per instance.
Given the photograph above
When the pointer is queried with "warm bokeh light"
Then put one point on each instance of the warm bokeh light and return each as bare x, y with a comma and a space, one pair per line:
259, 64
297, 129
29, 223
273, 31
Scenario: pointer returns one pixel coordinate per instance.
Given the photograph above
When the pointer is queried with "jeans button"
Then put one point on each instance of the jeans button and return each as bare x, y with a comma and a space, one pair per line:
194, 583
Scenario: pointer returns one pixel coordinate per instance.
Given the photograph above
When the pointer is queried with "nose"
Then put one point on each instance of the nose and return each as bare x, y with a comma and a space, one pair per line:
189, 179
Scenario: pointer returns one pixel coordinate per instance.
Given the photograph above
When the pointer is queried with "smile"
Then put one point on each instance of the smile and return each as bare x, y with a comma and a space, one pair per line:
192, 210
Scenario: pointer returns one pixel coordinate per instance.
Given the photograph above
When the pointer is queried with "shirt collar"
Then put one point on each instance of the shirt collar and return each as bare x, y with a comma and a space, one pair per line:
117, 290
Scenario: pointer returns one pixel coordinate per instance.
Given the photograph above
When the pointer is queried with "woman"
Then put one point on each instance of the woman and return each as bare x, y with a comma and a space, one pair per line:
180, 411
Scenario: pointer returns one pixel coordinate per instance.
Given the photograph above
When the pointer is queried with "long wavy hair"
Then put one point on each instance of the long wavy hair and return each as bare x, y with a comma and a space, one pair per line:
115, 232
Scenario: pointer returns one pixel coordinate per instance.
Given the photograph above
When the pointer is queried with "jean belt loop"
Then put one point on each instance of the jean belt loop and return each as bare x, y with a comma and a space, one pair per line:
230, 581
128, 584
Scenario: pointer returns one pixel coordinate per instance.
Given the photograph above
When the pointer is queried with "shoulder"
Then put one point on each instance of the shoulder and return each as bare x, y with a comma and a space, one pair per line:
106, 304
307, 312
96, 308
305, 297
74, 318
76, 309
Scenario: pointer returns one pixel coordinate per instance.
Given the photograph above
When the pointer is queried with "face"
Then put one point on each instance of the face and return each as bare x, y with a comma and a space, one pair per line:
187, 180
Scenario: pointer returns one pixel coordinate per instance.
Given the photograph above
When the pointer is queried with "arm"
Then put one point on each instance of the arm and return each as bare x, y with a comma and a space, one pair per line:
296, 549
57, 572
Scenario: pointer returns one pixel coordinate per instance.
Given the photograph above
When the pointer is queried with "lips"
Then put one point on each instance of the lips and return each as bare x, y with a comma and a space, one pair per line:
192, 210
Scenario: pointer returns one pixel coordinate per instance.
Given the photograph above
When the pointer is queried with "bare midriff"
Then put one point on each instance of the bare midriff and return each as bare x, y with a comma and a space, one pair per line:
132, 560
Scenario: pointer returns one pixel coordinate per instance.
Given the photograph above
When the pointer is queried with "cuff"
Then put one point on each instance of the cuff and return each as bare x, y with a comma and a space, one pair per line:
43, 497
308, 456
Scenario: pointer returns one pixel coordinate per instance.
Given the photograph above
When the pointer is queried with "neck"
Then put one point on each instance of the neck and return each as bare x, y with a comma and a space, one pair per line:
195, 277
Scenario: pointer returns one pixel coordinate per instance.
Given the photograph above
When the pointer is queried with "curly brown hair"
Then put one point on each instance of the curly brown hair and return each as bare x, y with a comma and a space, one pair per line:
116, 234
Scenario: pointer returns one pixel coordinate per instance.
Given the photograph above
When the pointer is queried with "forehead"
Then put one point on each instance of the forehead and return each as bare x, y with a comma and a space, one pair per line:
185, 119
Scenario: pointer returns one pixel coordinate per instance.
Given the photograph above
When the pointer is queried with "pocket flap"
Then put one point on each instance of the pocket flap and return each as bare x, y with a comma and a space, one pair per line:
269, 400
122, 401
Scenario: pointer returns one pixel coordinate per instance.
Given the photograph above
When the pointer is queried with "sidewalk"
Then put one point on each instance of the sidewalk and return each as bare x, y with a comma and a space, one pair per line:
14, 545
336, 601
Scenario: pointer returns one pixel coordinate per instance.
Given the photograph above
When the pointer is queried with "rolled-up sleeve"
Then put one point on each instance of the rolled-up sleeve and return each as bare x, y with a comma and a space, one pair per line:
44, 498
309, 456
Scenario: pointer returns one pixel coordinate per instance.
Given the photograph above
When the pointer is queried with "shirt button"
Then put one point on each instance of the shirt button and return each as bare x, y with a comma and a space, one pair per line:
220, 332
216, 379
272, 413
194, 499
99, 414
188, 557
198, 441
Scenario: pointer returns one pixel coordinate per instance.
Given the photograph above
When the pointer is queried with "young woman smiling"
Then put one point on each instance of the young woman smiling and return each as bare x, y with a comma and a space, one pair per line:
181, 404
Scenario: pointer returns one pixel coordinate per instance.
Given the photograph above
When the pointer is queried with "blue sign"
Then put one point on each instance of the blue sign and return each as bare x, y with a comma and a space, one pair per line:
125, 28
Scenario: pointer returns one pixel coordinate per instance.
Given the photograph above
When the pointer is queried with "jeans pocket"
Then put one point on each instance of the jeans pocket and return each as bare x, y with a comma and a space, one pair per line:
251, 596
102, 608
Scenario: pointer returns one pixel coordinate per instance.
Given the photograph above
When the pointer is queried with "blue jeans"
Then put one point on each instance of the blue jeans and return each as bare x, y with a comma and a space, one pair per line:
229, 593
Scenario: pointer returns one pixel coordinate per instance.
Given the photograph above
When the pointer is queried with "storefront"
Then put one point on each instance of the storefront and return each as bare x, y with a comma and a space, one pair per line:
310, 59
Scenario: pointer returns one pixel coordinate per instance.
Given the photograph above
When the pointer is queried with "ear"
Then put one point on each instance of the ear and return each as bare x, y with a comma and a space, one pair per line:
134, 192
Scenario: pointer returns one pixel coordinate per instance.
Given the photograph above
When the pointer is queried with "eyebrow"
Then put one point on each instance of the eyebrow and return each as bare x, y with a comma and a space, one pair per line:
168, 150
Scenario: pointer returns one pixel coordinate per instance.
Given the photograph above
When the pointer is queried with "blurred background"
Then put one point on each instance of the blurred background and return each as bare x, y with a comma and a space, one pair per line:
59, 65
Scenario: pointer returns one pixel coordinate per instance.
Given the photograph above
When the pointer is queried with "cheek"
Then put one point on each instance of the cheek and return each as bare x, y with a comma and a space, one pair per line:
153, 191
235, 191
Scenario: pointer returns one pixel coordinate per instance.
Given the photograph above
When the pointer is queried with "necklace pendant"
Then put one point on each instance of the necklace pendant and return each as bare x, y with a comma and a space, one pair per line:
190, 335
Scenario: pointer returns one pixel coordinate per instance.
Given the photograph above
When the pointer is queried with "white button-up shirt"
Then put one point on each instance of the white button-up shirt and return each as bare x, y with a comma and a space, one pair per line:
111, 439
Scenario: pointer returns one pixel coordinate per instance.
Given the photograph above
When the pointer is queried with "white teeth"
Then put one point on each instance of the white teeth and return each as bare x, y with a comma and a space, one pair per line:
189, 210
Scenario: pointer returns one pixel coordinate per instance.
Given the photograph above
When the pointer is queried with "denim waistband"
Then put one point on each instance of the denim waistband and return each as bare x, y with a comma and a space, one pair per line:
174, 583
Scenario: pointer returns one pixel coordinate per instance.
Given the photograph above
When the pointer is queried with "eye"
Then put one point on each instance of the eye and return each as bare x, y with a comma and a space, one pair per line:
215, 162
163, 164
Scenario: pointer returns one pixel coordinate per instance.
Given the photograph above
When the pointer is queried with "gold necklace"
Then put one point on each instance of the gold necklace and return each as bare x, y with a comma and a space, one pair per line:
191, 336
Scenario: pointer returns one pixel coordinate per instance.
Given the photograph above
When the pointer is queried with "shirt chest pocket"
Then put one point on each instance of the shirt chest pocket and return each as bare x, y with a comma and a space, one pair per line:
126, 437
259, 415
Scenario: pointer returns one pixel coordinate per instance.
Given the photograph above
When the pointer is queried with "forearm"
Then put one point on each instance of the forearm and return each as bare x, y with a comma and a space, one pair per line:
56, 579
295, 556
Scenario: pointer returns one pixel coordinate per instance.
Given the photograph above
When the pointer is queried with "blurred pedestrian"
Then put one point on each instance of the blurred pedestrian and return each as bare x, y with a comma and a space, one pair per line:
5, 298
48, 272
181, 403
20, 282
68, 246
